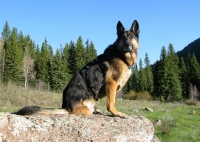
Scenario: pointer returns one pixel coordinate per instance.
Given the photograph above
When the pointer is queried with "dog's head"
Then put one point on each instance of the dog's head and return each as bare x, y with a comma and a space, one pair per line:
127, 41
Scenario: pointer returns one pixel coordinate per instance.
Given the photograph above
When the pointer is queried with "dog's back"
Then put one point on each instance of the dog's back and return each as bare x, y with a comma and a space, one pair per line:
85, 85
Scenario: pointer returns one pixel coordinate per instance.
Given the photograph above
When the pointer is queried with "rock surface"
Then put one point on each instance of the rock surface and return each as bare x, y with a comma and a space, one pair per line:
75, 128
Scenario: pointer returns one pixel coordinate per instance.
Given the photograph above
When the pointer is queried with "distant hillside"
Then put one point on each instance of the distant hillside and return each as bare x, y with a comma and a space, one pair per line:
193, 47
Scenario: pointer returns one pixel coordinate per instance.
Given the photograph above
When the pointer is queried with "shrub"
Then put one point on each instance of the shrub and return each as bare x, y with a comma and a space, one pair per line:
167, 123
132, 95
162, 99
191, 102
144, 96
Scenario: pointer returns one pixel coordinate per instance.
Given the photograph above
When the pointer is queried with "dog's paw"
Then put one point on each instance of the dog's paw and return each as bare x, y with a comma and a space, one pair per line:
122, 115
119, 114
97, 111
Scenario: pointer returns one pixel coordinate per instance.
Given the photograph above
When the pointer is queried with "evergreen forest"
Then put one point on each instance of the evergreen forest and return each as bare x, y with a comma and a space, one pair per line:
24, 63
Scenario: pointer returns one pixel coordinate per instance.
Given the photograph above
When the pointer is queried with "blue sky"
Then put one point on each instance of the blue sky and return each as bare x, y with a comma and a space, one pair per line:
60, 21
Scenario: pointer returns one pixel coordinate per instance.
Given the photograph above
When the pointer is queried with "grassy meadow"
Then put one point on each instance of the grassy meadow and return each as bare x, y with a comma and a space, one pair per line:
13, 97
179, 122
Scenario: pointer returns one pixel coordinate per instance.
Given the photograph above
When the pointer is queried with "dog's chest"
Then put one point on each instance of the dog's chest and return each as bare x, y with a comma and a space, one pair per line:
124, 79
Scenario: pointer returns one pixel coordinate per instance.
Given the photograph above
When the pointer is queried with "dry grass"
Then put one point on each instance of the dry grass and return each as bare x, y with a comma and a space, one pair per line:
12, 96
132, 95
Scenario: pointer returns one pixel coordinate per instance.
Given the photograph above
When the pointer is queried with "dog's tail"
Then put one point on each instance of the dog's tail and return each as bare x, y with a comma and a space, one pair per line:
30, 110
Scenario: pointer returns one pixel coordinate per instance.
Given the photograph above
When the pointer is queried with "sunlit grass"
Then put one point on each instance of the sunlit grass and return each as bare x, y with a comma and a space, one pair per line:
186, 125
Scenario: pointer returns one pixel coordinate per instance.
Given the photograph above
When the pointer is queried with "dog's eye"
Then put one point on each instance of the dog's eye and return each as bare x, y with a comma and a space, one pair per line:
130, 36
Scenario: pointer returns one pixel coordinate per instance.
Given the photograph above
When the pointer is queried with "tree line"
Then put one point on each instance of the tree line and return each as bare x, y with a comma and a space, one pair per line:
25, 63
170, 78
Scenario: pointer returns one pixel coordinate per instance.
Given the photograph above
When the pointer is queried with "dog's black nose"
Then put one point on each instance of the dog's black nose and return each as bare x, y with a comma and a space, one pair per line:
128, 47
128, 44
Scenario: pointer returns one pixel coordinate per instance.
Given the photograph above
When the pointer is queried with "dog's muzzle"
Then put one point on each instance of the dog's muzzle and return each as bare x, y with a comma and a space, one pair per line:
128, 47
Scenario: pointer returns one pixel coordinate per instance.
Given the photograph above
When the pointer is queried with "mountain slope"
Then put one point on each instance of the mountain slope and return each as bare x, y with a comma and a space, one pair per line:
192, 48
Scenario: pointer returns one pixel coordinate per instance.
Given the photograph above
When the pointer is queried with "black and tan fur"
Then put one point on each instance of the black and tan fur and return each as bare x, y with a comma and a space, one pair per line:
103, 76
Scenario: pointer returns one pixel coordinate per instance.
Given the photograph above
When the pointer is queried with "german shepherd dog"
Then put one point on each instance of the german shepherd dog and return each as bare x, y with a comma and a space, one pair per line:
102, 77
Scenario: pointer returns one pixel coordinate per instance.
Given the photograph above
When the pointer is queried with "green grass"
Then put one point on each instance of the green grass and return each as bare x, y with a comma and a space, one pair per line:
186, 127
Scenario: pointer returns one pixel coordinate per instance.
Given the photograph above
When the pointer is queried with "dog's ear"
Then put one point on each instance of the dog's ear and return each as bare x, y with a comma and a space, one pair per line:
135, 27
120, 28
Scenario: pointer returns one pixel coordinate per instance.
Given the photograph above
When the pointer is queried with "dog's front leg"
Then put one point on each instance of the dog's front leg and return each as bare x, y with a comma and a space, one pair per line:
111, 94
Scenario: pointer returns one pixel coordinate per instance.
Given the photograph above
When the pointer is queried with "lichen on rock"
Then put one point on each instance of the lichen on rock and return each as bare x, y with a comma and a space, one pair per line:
71, 127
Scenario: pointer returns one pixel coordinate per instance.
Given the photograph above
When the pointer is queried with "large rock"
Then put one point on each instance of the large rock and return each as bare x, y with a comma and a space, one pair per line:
64, 128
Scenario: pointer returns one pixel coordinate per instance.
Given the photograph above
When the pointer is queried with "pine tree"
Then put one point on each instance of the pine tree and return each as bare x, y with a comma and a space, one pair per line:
79, 55
160, 84
13, 59
42, 65
194, 71
90, 51
173, 74
6, 33
58, 73
173, 59
71, 59
93, 51
37, 52
166, 79
65, 58
49, 63
87, 51
135, 79
127, 87
185, 83
5, 36
22, 42
174, 90
142, 78
37, 65
149, 74
31, 47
